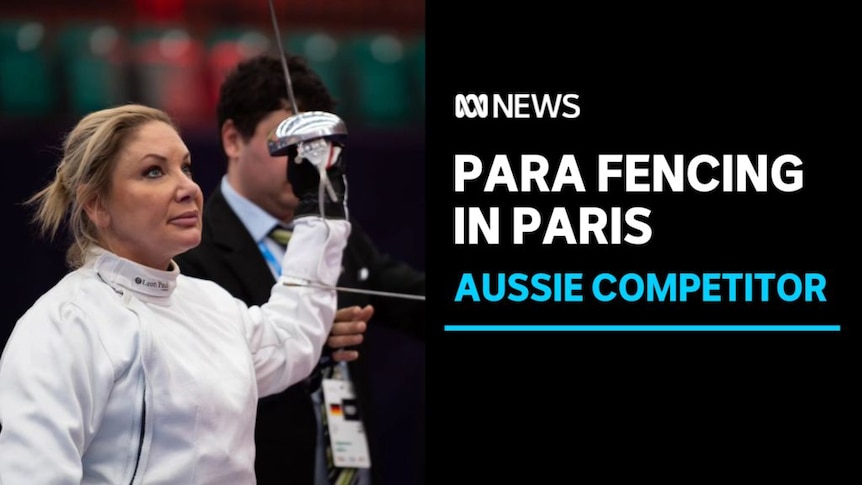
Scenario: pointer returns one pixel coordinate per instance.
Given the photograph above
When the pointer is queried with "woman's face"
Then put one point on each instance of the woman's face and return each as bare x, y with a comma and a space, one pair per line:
153, 208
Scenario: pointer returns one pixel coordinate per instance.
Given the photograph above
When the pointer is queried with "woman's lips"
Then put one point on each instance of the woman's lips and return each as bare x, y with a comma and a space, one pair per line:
186, 219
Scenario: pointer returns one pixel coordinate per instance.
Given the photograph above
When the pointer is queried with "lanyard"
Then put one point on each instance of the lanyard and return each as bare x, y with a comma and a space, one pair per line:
270, 258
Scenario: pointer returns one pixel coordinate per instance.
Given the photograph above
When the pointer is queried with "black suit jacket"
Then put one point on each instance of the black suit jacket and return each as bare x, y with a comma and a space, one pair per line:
286, 428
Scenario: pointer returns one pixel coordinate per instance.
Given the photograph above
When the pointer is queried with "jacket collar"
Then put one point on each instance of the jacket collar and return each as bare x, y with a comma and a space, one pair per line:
122, 275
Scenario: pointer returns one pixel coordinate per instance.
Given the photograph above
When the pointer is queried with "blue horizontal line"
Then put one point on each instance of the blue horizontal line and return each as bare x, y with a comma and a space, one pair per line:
642, 328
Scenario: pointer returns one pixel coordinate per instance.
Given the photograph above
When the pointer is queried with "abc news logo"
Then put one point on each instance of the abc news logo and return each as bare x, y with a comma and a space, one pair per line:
516, 105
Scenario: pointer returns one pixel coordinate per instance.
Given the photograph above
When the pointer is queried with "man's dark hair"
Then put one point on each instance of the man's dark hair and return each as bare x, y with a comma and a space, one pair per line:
257, 87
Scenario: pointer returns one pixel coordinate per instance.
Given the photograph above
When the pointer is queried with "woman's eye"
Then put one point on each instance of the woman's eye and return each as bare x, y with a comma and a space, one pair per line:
187, 169
153, 172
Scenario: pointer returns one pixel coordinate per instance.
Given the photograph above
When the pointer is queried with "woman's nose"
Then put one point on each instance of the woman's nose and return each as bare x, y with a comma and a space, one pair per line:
187, 188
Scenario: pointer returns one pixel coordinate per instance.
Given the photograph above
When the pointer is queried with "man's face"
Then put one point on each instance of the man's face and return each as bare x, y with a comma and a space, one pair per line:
262, 178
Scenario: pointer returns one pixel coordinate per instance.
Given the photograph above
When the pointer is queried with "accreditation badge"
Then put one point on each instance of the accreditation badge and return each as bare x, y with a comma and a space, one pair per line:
346, 434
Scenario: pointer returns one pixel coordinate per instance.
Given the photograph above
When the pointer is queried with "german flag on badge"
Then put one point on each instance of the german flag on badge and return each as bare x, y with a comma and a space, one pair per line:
335, 409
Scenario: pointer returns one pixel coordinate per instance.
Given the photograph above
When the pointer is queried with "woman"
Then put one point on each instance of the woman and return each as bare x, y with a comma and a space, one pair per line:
127, 371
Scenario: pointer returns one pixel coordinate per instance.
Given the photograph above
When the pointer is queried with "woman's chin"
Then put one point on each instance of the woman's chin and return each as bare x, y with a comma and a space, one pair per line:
188, 243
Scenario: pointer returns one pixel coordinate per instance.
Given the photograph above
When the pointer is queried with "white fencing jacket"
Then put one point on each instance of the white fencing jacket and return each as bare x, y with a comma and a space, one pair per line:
122, 374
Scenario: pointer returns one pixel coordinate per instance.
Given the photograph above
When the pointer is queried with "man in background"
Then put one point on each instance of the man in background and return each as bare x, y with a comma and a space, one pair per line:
238, 250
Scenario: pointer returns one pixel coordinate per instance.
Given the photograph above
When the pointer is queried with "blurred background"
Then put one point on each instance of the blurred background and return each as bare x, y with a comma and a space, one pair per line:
61, 59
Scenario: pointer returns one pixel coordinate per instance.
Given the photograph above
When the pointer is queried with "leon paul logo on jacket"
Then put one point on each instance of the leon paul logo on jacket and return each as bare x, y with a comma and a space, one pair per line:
517, 105
155, 284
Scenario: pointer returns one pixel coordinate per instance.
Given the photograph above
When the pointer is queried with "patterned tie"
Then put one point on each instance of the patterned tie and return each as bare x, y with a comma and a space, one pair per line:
336, 475
280, 235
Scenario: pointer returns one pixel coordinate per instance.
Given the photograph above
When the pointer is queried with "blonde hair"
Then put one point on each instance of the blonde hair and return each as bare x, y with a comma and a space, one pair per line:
90, 152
